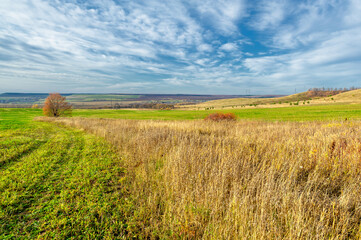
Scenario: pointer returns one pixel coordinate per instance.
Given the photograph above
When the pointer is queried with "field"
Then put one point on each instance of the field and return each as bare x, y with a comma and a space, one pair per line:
258, 180
295, 113
277, 173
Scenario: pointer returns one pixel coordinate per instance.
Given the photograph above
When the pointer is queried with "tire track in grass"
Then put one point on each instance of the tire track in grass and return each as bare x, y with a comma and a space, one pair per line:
21, 183
17, 145
18, 153
13, 142
88, 198
48, 191
75, 191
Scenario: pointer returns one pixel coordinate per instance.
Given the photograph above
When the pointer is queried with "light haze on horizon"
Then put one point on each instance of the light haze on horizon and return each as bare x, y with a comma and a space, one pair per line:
189, 47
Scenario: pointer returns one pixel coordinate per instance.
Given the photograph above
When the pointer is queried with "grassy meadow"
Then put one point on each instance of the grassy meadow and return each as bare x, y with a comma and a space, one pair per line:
10, 118
239, 180
277, 173
296, 113
17, 117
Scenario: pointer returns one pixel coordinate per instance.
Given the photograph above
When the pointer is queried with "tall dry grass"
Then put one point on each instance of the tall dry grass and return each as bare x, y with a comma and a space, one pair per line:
243, 180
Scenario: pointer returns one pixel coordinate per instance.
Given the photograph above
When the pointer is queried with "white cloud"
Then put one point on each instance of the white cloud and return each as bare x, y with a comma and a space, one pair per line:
353, 16
229, 47
176, 81
271, 14
205, 48
223, 14
294, 24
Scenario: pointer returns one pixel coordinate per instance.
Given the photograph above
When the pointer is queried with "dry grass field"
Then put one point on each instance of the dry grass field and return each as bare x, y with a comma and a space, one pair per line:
245, 102
304, 98
349, 97
238, 180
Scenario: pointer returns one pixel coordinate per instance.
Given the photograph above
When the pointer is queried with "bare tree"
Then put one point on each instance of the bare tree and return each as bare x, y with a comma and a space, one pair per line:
56, 106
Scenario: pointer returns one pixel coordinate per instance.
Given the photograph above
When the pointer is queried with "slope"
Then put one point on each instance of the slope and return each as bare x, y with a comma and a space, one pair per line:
240, 102
353, 96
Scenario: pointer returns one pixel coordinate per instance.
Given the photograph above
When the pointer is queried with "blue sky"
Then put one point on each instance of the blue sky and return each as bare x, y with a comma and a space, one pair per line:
175, 46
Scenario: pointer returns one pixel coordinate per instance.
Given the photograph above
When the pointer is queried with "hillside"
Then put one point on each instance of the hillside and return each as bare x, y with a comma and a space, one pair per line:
278, 101
350, 96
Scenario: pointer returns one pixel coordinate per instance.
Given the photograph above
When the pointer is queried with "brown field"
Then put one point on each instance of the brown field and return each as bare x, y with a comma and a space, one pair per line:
238, 180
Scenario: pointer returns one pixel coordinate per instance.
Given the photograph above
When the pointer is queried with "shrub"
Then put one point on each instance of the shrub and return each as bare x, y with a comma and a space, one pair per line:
217, 117
35, 106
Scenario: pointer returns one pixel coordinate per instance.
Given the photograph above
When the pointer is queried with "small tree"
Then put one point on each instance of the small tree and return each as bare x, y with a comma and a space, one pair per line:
56, 106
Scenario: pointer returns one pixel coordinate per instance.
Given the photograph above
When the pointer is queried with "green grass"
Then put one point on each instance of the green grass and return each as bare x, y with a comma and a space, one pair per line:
299, 113
18, 118
57, 182
10, 118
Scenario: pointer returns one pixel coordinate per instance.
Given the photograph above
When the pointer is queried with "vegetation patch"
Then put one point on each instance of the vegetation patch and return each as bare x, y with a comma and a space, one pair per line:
217, 117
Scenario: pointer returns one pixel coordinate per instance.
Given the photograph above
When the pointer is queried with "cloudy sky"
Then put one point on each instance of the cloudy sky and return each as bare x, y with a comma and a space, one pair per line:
179, 46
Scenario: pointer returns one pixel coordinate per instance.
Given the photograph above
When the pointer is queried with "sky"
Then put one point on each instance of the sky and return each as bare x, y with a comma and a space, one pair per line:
177, 46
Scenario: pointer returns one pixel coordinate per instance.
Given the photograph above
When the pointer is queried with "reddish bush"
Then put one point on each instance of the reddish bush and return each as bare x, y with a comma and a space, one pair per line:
56, 106
221, 117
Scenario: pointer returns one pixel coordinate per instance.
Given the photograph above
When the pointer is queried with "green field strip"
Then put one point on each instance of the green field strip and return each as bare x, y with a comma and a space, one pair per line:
15, 119
295, 113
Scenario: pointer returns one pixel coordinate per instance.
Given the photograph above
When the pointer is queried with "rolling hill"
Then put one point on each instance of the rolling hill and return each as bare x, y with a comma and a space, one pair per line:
308, 97
348, 97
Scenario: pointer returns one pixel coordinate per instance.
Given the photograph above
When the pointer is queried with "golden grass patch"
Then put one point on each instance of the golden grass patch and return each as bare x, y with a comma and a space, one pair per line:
239, 180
